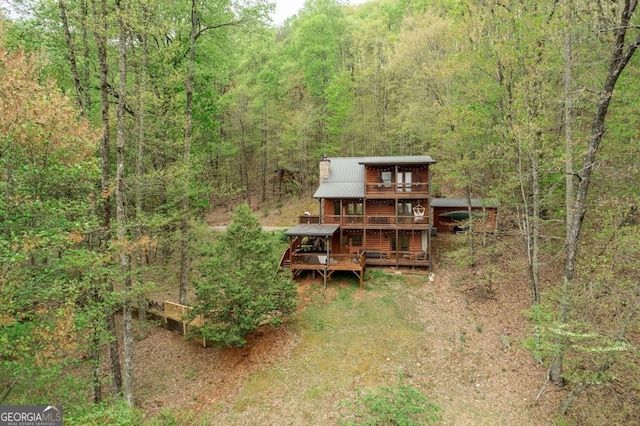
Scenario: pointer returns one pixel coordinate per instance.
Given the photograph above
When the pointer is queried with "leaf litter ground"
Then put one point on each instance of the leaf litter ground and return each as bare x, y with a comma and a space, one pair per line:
461, 350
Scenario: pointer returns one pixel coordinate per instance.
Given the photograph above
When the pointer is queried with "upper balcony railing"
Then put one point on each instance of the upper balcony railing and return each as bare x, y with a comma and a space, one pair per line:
309, 219
393, 189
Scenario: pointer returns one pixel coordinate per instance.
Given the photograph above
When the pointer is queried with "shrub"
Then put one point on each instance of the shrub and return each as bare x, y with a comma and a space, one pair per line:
399, 404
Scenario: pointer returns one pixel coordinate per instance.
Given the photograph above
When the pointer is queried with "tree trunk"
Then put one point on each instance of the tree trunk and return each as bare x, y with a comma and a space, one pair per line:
535, 223
620, 57
188, 131
86, 77
568, 123
564, 405
264, 136
125, 260
72, 56
95, 379
469, 236
141, 88
101, 42
529, 221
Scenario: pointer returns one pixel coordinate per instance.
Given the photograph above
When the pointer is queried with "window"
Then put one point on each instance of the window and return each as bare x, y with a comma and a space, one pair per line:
404, 242
336, 208
355, 208
386, 178
354, 211
356, 240
405, 208
403, 239
404, 181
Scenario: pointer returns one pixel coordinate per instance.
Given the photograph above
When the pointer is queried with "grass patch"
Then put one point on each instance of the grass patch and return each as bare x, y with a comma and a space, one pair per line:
400, 404
349, 340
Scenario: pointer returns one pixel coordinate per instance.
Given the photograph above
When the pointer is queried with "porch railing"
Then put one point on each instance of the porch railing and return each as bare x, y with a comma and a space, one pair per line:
396, 188
373, 257
384, 220
321, 259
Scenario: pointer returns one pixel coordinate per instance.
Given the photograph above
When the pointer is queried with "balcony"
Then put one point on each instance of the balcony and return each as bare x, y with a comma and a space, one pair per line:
318, 262
396, 190
379, 221
308, 219
412, 258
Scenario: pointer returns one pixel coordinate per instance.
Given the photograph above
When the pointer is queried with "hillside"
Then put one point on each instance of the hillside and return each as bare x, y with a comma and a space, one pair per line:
460, 347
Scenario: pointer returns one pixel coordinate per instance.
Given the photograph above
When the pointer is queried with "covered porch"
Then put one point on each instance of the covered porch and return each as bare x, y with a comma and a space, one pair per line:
312, 247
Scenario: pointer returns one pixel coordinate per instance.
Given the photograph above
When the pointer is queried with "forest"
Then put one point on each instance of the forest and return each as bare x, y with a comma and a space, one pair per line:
123, 124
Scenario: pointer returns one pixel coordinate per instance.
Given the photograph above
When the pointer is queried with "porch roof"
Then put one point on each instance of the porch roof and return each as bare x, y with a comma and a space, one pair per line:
312, 230
406, 160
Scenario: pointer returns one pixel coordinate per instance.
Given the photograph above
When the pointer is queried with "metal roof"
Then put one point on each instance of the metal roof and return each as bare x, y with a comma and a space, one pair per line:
312, 230
340, 190
398, 160
460, 202
346, 177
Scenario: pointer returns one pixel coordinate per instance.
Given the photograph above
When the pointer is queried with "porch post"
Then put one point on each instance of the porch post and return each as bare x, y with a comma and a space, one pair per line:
326, 266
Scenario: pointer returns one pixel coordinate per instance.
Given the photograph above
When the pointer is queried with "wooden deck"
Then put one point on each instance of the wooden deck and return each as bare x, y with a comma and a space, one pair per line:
355, 263
326, 265
414, 259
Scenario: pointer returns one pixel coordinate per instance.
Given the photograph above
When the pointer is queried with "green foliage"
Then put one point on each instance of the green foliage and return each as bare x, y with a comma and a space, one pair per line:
51, 277
316, 43
340, 106
460, 257
589, 353
115, 413
400, 404
337, 79
240, 287
377, 276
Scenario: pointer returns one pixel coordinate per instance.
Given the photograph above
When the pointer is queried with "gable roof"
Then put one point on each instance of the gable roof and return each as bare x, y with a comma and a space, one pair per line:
405, 160
346, 179
346, 176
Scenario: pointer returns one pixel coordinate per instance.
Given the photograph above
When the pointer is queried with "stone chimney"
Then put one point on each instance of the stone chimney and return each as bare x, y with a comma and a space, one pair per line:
325, 171
325, 168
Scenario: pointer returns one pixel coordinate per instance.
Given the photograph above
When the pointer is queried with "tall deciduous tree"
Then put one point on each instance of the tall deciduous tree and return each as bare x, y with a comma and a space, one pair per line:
188, 134
121, 209
626, 40
318, 50
100, 30
510, 44
80, 89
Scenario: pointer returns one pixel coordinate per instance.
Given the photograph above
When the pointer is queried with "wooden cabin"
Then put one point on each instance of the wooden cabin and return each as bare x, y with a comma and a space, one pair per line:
373, 211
